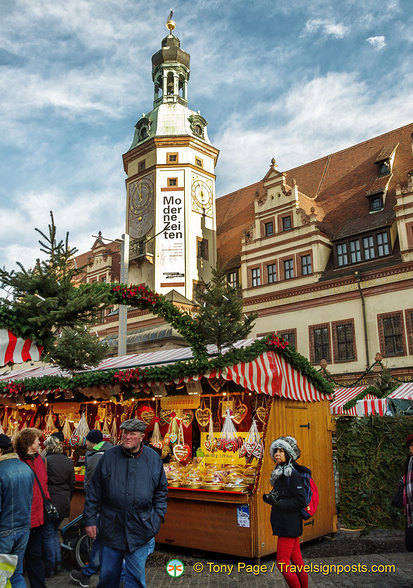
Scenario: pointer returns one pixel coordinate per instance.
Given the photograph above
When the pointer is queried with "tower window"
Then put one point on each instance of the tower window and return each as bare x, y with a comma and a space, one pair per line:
172, 158
199, 162
142, 165
202, 252
172, 182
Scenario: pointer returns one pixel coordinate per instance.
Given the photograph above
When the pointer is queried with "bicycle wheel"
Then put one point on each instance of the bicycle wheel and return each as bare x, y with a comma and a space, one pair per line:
82, 550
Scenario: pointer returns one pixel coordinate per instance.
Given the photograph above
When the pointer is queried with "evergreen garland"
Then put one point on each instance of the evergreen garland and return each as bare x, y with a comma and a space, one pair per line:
140, 376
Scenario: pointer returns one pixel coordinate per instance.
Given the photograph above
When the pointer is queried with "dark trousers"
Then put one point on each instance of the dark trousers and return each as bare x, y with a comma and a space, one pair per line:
34, 558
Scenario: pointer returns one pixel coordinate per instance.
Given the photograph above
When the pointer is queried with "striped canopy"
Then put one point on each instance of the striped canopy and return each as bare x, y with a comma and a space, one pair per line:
268, 374
403, 392
16, 350
344, 395
369, 406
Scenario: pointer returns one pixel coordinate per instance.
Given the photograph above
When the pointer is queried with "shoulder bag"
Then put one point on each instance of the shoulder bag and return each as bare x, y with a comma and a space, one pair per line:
51, 514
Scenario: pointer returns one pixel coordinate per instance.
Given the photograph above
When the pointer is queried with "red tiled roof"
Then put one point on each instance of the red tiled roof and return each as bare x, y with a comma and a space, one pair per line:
338, 183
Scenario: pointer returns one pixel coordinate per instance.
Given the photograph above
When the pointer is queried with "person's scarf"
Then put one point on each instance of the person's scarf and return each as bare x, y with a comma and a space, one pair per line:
408, 493
285, 469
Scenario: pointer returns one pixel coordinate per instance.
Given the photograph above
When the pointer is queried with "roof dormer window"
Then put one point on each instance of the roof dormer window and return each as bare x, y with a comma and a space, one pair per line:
383, 168
376, 202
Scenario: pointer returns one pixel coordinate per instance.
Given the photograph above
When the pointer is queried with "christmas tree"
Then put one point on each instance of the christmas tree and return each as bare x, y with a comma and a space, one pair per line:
221, 319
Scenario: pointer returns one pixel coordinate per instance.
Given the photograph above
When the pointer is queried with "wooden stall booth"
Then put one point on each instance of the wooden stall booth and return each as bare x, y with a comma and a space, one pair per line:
237, 522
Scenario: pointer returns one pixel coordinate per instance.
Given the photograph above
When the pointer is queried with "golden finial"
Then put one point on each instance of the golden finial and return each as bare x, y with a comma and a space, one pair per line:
170, 24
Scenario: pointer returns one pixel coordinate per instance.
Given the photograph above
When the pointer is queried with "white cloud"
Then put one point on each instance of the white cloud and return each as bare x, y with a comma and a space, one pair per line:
378, 42
336, 30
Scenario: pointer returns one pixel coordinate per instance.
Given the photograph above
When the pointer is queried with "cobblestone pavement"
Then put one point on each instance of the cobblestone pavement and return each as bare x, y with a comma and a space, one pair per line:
213, 571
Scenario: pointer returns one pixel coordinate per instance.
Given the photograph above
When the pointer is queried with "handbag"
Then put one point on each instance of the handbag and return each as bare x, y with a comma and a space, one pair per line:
50, 512
397, 500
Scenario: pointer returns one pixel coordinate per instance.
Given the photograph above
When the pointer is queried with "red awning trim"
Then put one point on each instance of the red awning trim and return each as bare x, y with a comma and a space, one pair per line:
16, 350
344, 395
368, 406
403, 392
268, 374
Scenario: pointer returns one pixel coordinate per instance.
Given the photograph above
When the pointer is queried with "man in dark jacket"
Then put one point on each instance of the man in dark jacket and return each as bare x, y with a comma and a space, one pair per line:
128, 491
16, 493
96, 447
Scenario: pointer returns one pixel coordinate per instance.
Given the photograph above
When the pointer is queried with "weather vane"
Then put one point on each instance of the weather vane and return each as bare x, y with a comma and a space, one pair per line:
170, 24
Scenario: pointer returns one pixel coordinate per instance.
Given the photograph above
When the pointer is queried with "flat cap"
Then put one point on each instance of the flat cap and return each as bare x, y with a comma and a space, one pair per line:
134, 425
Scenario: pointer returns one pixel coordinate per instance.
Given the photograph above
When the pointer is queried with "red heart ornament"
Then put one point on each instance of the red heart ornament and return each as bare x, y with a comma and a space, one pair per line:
147, 415
165, 416
182, 451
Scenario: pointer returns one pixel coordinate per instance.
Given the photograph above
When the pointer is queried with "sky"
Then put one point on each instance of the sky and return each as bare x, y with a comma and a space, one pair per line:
293, 80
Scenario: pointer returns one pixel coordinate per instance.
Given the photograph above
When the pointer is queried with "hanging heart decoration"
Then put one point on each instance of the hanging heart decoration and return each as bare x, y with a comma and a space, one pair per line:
147, 415
261, 413
182, 451
215, 384
165, 416
239, 413
187, 417
202, 416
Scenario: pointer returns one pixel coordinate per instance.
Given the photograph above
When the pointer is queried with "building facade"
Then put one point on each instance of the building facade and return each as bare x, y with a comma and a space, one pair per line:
323, 253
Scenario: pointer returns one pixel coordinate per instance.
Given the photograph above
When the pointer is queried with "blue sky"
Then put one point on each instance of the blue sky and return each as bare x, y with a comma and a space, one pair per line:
292, 80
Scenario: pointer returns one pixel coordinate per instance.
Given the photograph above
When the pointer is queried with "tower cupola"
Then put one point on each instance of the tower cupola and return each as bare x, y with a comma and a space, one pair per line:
170, 70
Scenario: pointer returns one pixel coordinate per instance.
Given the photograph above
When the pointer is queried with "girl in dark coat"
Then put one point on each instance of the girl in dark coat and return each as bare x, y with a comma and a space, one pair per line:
287, 499
61, 484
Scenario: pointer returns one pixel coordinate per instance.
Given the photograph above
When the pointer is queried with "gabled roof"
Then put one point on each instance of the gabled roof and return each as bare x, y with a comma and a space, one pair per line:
338, 183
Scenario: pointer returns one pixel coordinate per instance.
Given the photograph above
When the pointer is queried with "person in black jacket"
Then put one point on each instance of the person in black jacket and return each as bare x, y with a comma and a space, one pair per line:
125, 504
61, 485
287, 498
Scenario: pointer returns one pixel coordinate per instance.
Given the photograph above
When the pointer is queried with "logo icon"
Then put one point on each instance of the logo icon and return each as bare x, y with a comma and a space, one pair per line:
175, 568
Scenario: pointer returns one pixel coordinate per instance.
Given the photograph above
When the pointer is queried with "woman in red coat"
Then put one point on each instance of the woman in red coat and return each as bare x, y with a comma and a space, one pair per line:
27, 445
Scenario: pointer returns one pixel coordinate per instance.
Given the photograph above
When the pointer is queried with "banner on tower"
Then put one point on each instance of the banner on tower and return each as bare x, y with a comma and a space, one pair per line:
172, 247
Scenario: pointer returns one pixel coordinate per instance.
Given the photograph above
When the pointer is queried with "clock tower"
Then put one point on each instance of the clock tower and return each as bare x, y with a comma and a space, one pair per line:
170, 185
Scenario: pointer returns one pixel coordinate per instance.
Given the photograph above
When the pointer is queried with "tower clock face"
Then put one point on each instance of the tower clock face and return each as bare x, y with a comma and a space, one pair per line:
140, 194
201, 196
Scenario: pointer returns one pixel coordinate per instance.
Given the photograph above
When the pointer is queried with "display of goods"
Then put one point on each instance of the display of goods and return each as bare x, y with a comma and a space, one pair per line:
252, 446
187, 417
228, 441
198, 475
67, 430
80, 431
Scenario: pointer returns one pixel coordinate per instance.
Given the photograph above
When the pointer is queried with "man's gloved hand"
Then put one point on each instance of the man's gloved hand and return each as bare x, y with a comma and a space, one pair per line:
271, 498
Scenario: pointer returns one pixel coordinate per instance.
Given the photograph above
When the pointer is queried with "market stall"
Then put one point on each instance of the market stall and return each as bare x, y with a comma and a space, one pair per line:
212, 428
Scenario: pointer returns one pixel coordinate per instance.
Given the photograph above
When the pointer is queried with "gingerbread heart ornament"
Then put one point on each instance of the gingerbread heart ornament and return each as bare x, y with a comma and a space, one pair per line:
187, 418
239, 413
262, 412
202, 416
165, 416
147, 415
182, 451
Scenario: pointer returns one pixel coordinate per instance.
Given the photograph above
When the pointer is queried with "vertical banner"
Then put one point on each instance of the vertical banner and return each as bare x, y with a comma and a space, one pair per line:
172, 248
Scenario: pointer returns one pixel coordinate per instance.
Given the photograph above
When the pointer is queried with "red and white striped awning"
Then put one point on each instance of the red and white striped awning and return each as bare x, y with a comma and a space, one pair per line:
344, 395
268, 374
369, 406
403, 392
16, 350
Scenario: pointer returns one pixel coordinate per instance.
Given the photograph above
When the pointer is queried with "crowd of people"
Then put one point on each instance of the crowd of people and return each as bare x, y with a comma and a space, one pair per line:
125, 503
126, 492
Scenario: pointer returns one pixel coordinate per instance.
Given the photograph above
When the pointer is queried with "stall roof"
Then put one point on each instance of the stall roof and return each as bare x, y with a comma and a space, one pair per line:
269, 373
403, 392
16, 350
344, 395
369, 406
